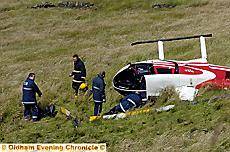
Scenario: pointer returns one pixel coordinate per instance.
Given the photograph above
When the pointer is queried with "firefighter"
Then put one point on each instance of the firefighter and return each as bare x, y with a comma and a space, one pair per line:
130, 101
98, 89
78, 74
29, 101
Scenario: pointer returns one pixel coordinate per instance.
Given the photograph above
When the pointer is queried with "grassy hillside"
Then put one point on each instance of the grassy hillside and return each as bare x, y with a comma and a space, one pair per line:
44, 40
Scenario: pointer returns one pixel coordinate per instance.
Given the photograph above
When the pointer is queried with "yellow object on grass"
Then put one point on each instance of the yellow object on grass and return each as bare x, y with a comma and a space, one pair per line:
83, 86
117, 116
65, 111
93, 118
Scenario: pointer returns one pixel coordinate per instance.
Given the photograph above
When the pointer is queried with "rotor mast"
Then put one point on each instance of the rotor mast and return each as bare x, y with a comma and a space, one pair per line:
161, 50
203, 48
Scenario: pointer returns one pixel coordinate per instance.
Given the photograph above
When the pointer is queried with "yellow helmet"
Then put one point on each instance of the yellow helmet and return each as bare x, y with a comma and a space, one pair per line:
83, 86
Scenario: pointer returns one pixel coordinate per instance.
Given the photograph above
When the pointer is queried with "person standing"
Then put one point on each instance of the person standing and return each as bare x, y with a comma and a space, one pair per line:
29, 101
78, 74
98, 89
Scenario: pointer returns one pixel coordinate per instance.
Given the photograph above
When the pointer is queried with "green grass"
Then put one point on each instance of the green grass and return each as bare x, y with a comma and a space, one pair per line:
44, 40
190, 3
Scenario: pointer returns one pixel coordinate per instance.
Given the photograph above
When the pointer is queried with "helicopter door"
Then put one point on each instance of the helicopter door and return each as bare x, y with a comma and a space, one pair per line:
155, 83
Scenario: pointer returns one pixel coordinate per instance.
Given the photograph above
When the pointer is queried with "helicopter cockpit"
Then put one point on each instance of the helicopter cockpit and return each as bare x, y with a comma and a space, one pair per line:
132, 78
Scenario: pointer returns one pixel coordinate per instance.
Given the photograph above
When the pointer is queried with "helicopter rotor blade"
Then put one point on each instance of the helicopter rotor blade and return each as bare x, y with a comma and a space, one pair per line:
171, 39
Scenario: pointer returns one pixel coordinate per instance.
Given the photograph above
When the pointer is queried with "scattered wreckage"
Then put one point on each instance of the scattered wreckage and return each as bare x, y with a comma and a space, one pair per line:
157, 6
187, 77
65, 4
131, 113
44, 5
216, 98
69, 116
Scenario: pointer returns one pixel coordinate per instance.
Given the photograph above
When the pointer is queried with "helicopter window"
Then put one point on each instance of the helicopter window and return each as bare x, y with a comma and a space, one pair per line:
164, 71
151, 69
143, 69
126, 79
227, 75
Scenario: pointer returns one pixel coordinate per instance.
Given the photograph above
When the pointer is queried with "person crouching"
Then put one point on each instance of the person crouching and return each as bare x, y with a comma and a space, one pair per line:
130, 101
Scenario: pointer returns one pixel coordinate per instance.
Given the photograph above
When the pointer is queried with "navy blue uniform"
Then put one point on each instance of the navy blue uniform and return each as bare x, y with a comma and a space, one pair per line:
98, 88
128, 102
79, 74
29, 101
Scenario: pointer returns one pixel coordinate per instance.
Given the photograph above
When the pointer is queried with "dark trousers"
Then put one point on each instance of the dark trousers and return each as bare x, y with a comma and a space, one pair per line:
114, 110
31, 109
126, 106
97, 108
75, 86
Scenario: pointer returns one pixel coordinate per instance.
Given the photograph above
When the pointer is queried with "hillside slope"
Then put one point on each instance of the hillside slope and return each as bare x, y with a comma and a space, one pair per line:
44, 40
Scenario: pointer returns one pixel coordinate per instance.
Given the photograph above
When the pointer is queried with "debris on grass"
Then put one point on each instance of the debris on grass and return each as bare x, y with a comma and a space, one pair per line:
165, 108
69, 116
186, 123
65, 4
131, 113
44, 5
120, 115
180, 120
216, 98
194, 102
77, 5
157, 6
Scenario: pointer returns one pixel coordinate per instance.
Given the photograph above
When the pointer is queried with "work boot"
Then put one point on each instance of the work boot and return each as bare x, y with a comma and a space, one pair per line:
27, 118
34, 118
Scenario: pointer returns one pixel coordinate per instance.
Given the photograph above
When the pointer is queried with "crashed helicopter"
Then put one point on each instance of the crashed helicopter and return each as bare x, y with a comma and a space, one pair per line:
187, 77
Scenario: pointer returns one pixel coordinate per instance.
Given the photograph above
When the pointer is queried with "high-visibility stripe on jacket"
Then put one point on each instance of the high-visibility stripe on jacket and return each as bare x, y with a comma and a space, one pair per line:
79, 72
98, 87
130, 101
29, 91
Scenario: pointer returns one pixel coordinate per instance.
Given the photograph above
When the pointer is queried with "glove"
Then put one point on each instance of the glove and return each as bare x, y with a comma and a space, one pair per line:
40, 94
103, 98
71, 74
